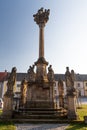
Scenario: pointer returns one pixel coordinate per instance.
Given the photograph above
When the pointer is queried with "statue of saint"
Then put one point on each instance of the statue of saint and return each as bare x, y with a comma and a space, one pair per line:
23, 91
11, 79
69, 80
60, 87
61, 93
50, 73
31, 73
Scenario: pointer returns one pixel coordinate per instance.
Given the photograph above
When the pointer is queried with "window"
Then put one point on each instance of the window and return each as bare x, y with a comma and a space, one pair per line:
78, 84
55, 92
86, 84
18, 85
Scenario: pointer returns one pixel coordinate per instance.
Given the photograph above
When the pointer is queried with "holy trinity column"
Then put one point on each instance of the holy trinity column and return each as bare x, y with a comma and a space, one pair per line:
40, 92
41, 18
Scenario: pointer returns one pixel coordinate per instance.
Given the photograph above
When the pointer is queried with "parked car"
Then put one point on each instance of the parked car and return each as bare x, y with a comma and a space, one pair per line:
1, 103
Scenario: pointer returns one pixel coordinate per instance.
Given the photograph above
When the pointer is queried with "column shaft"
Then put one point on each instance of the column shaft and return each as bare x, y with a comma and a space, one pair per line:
41, 42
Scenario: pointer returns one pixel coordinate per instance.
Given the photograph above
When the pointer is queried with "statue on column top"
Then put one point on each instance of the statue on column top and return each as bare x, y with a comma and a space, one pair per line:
42, 16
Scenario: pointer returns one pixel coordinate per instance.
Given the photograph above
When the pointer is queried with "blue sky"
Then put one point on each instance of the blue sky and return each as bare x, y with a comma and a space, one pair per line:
65, 34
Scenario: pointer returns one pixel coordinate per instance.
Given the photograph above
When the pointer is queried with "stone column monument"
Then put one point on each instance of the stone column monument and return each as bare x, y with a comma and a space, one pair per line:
41, 18
71, 94
41, 83
8, 97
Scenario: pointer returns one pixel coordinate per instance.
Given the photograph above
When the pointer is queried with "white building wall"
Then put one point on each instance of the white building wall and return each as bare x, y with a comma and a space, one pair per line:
18, 86
80, 87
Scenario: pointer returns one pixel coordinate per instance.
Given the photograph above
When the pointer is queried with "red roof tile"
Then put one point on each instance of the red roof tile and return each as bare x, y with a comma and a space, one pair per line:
3, 76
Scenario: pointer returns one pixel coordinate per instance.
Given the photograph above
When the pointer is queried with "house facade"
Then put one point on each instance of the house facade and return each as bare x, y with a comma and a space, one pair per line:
80, 83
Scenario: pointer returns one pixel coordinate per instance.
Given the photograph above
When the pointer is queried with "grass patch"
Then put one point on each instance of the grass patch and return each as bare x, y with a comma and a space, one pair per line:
7, 126
82, 112
0, 111
79, 126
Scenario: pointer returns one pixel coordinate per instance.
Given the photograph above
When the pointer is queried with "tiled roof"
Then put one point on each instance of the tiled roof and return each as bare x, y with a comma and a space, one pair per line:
59, 76
79, 77
3, 76
21, 76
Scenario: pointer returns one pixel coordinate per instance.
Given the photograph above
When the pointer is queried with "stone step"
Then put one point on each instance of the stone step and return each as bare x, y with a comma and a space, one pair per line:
40, 109
19, 120
39, 116
39, 112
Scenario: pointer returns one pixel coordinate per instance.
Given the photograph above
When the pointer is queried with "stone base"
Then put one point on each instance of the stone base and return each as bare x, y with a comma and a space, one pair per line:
8, 107
72, 115
85, 119
7, 114
39, 104
72, 108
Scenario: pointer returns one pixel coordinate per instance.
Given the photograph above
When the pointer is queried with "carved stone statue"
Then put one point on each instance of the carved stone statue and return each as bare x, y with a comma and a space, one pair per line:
61, 93
42, 16
8, 96
23, 92
69, 80
71, 94
50, 73
11, 80
31, 73
60, 87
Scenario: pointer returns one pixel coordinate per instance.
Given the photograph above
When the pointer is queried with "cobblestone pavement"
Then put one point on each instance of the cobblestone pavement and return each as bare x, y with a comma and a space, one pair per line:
41, 126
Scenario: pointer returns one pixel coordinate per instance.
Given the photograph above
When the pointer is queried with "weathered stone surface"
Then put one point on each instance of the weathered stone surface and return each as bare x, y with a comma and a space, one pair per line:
72, 107
61, 93
23, 93
8, 97
71, 94
40, 95
85, 119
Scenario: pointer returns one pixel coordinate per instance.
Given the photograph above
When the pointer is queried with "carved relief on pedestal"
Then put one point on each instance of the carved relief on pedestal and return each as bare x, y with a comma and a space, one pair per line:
41, 74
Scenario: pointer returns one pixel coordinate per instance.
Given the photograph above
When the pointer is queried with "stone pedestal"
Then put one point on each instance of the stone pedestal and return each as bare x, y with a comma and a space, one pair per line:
8, 107
61, 101
72, 107
40, 95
